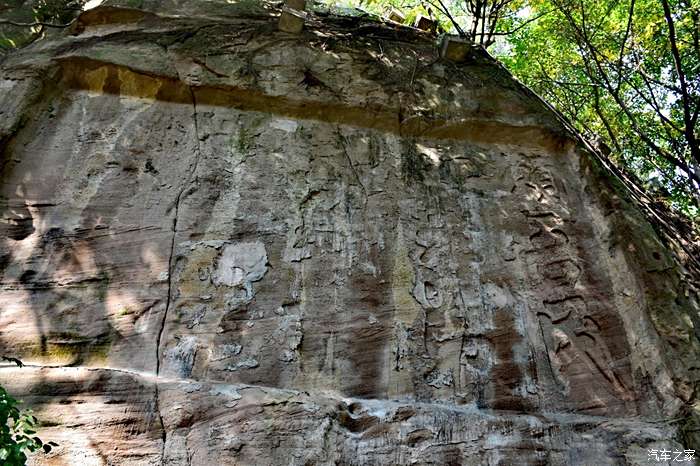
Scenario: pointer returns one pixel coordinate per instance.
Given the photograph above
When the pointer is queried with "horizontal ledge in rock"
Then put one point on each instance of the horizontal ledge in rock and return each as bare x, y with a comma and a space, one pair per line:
88, 74
74, 374
105, 15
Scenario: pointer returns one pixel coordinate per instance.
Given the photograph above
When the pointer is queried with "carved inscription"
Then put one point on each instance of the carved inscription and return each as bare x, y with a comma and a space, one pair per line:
577, 352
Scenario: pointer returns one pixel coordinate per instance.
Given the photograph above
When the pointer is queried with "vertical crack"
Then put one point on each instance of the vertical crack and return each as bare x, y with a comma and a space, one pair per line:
343, 143
171, 263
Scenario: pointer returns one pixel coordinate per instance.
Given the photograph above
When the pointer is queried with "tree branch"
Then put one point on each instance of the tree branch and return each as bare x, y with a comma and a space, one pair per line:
687, 116
449, 16
522, 25
624, 42
36, 23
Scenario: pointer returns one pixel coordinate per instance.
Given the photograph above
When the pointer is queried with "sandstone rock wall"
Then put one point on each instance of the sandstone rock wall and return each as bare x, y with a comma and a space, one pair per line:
223, 244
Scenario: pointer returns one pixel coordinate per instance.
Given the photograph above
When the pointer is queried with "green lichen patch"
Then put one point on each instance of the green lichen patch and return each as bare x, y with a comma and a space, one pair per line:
69, 348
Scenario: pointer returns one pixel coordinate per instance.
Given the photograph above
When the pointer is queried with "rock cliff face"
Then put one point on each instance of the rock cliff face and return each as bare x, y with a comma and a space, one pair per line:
224, 244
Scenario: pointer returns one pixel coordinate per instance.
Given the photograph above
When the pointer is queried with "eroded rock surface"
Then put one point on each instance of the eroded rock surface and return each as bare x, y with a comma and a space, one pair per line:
223, 244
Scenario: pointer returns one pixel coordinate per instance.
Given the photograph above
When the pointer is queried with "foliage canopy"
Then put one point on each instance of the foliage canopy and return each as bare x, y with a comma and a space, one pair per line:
24, 21
626, 73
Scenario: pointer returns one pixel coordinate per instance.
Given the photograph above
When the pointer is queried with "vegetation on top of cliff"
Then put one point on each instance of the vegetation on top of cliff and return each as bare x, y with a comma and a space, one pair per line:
23, 22
625, 73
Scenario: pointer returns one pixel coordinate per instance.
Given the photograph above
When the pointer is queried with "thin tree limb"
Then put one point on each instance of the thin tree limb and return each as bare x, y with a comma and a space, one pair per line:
688, 118
522, 25
449, 16
624, 39
36, 23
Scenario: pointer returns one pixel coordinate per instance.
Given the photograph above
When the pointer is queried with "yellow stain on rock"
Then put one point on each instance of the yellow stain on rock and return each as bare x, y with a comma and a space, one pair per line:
137, 85
403, 280
109, 78
94, 80
406, 312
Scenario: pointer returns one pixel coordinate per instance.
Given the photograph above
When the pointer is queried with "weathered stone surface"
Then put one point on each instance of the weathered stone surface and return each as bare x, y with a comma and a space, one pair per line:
223, 244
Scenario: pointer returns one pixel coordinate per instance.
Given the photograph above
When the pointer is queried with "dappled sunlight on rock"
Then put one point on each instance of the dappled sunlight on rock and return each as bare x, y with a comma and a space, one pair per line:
224, 244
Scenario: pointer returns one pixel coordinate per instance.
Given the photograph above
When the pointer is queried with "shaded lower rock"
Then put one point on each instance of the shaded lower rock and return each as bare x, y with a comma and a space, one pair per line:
218, 423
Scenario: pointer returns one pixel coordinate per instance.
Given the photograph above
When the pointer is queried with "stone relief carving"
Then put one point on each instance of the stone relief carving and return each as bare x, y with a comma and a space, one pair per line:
573, 335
